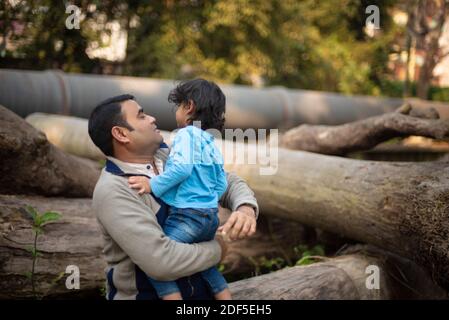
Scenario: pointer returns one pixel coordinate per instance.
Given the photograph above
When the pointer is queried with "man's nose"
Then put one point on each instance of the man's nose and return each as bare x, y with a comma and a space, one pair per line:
152, 119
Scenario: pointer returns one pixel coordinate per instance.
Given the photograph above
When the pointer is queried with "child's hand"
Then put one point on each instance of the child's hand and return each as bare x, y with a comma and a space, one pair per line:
140, 183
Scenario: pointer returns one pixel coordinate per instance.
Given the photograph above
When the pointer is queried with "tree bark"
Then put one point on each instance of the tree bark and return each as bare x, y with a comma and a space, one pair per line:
73, 240
425, 23
32, 165
76, 240
367, 133
401, 207
343, 277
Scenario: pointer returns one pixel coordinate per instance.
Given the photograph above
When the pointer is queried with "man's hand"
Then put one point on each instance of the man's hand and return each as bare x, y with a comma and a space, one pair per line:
140, 183
241, 224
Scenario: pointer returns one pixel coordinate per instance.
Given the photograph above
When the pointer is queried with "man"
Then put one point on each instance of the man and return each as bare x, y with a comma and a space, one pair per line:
135, 246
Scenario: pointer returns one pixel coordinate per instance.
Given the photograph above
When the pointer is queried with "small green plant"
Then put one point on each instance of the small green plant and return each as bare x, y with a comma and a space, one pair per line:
272, 264
308, 255
38, 220
264, 265
303, 256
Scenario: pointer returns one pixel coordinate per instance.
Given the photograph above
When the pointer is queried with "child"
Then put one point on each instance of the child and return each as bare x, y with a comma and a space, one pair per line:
193, 179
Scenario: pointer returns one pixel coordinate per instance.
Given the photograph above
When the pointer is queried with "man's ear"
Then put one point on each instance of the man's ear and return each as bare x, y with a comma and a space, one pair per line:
120, 134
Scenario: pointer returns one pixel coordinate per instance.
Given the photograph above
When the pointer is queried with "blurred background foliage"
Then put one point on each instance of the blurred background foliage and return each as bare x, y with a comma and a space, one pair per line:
319, 45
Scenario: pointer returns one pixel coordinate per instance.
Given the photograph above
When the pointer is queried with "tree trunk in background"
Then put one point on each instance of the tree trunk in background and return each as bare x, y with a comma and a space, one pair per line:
401, 207
366, 134
425, 23
32, 165
406, 92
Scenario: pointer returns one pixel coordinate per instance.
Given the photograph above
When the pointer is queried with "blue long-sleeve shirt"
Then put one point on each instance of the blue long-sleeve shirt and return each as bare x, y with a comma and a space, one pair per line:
193, 176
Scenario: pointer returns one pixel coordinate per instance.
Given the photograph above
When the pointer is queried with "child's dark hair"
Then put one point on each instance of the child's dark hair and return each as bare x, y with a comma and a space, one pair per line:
209, 100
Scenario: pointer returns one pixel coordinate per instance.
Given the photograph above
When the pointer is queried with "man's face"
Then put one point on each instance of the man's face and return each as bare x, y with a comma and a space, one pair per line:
145, 136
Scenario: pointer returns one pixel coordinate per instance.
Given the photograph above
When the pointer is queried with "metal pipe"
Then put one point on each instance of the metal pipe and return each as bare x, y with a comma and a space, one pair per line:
25, 92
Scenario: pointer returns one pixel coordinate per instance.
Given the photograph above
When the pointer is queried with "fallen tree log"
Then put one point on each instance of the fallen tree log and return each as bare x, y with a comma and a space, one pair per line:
344, 277
367, 133
76, 240
32, 165
401, 207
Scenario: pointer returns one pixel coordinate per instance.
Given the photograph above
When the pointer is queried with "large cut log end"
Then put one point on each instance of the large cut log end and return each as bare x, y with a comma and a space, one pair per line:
32, 165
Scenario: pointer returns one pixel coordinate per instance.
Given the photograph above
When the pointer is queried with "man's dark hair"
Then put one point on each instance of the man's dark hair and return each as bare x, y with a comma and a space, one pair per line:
209, 100
105, 116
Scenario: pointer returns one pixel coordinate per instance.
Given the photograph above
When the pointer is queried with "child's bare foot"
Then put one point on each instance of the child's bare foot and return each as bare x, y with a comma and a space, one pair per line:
224, 295
172, 296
